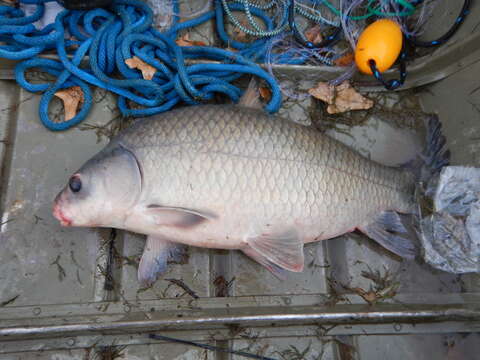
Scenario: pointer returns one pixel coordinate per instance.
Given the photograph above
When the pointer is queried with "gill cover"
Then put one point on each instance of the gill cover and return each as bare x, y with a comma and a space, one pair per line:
103, 190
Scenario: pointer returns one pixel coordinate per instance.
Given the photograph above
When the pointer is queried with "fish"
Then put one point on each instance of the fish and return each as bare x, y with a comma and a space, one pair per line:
231, 176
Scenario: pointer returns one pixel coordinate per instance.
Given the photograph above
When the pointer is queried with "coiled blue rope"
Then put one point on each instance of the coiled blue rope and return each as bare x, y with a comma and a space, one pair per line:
108, 38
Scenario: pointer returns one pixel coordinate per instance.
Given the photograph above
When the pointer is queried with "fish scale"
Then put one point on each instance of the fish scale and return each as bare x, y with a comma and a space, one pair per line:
242, 163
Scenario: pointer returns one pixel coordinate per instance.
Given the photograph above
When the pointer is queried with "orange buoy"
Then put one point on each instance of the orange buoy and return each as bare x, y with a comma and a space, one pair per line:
382, 42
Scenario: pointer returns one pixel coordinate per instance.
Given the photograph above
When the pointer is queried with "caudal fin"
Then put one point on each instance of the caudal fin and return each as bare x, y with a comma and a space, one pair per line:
435, 154
396, 232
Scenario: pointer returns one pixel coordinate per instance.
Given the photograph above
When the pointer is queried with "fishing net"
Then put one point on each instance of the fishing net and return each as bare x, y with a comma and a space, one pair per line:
163, 10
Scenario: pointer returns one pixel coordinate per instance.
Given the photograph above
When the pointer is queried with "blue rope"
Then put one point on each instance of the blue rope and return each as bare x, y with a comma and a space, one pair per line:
108, 38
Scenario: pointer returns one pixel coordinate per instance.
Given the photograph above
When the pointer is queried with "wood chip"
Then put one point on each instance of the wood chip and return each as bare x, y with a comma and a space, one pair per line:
72, 98
340, 98
9, 301
184, 286
265, 93
314, 34
148, 71
185, 41
345, 60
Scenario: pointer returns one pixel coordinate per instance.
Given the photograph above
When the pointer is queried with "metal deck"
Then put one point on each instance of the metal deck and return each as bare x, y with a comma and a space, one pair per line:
69, 293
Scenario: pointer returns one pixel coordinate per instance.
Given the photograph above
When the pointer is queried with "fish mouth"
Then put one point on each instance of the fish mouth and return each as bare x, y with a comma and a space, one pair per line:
58, 214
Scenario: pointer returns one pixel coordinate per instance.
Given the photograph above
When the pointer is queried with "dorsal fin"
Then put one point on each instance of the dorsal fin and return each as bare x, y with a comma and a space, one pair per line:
251, 96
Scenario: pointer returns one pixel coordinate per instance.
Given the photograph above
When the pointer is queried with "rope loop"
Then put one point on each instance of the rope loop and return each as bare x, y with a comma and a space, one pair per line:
93, 47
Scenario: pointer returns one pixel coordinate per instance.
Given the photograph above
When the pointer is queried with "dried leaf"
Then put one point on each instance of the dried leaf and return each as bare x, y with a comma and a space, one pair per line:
111, 352
345, 60
340, 98
370, 297
323, 91
222, 286
238, 34
185, 41
347, 98
265, 93
314, 34
72, 98
148, 71
346, 351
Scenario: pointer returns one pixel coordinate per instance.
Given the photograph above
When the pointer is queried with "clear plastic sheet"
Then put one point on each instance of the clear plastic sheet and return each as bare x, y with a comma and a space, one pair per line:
450, 235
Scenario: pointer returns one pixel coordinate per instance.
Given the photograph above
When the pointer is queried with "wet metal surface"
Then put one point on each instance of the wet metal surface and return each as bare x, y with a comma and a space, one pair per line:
341, 314
73, 293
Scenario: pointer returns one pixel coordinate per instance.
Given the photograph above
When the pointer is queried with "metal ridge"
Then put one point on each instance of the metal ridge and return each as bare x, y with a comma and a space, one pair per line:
278, 316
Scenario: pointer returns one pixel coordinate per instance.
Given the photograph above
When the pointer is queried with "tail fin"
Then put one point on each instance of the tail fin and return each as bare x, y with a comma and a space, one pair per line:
397, 232
435, 154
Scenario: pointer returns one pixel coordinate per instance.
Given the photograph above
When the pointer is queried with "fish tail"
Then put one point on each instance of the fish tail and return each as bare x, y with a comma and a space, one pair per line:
397, 232
434, 156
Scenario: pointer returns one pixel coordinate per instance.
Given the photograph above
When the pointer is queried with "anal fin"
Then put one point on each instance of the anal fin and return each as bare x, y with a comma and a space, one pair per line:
276, 270
389, 230
284, 249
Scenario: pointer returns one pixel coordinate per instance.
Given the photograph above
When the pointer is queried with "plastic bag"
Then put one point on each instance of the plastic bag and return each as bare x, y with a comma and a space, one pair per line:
450, 234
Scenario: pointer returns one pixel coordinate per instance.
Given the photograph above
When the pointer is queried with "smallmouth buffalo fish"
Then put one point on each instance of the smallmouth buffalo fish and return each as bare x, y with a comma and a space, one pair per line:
234, 177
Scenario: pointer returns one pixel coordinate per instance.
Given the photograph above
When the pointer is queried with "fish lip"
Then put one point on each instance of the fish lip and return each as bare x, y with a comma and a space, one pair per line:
58, 214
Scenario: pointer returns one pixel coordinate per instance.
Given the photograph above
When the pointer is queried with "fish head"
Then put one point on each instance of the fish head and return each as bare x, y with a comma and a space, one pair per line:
102, 192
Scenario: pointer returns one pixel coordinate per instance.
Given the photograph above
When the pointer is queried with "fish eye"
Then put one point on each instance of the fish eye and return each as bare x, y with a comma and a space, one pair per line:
75, 184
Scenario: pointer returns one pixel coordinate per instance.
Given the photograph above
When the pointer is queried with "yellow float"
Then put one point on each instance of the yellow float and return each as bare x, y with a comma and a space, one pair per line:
382, 42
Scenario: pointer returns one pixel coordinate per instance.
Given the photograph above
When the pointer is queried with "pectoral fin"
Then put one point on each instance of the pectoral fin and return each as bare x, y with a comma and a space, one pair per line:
156, 253
176, 216
284, 249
